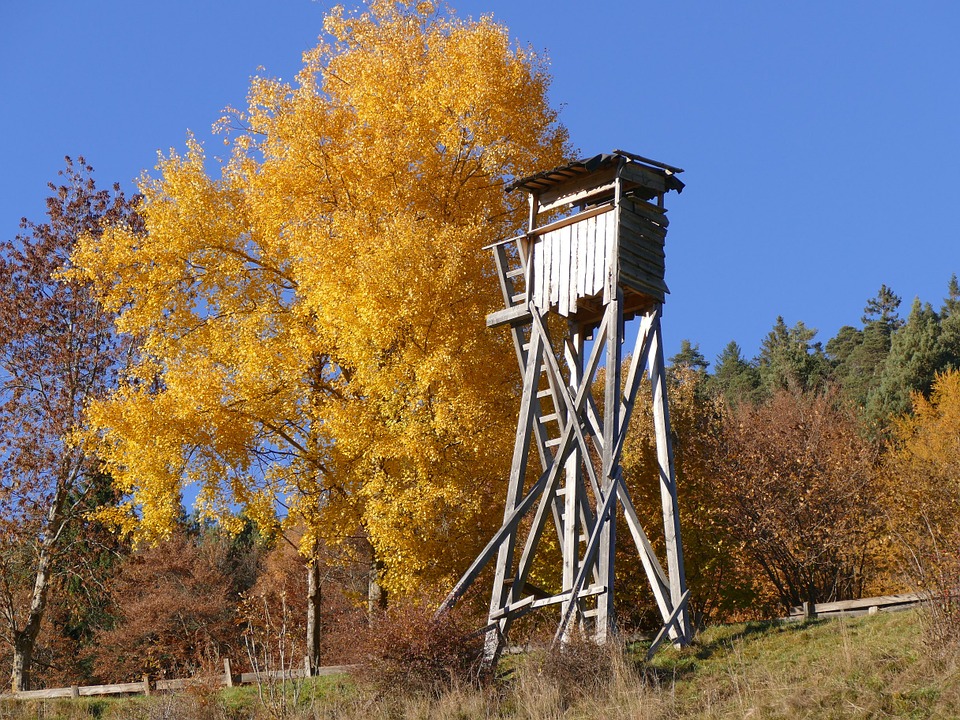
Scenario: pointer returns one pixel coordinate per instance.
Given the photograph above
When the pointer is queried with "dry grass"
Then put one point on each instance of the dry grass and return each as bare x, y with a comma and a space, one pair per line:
871, 667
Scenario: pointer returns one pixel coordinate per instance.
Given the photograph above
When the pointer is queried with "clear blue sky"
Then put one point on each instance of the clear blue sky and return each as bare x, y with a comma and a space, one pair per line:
820, 139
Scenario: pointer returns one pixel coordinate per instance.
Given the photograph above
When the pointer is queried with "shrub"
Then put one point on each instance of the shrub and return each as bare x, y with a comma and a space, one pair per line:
406, 651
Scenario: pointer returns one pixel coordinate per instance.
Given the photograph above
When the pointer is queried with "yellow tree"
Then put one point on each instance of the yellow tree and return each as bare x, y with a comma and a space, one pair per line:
311, 321
922, 484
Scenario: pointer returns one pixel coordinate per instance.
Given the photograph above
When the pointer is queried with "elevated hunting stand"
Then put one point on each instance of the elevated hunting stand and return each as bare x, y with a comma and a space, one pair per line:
598, 266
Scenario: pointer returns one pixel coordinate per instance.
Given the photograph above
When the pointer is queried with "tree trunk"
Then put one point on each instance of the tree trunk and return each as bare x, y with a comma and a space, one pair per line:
25, 638
314, 596
376, 595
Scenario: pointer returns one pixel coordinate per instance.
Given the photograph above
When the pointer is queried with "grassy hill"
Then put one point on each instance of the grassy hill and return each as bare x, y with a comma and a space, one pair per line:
873, 667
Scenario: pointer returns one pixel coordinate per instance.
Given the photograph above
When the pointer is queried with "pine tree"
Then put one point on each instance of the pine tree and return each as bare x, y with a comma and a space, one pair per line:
734, 377
916, 355
789, 360
950, 326
689, 357
859, 355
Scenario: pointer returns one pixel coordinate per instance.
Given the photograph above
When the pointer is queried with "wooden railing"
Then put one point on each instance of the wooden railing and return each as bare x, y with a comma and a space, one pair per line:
148, 686
863, 606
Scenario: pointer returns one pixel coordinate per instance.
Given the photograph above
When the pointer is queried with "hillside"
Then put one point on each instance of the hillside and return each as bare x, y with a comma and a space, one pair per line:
876, 667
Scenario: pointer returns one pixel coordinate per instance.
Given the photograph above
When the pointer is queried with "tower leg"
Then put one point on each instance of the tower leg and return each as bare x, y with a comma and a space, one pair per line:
668, 486
611, 432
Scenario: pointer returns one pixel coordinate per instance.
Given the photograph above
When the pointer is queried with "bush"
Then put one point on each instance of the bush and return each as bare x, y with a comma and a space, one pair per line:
406, 651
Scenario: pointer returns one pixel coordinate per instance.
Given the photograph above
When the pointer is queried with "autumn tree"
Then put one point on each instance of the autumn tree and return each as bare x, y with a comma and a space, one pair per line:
922, 489
797, 492
312, 318
57, 352
176, 606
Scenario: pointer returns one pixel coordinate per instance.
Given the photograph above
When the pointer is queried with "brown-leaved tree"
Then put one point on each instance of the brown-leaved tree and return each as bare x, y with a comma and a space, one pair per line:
57, 352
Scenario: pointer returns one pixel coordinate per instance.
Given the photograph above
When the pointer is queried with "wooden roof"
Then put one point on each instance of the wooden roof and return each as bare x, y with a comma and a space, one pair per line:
541, 181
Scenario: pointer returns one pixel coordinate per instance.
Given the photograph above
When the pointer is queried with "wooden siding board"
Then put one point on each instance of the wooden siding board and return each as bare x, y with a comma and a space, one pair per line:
635, 173
654, 269
553, 240
643, 227
646, 211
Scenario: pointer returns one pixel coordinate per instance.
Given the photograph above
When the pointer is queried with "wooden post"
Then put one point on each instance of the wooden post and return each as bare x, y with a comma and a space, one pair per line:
227, 673
75, 691
146, 684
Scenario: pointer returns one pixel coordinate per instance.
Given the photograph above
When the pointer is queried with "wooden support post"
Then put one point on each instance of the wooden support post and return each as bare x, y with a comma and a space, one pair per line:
611, 431
668, 484
146, 684
75, 691
572, 500
227, 673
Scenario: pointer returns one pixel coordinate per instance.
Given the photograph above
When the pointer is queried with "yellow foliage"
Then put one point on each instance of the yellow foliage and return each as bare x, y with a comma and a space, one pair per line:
311, 321
923, 473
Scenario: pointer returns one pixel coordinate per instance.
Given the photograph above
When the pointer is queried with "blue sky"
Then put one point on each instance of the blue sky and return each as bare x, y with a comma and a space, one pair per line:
819, 139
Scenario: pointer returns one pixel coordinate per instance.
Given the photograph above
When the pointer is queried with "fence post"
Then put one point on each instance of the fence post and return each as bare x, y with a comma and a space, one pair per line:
146, 684
227, 673
74, 691
307, 666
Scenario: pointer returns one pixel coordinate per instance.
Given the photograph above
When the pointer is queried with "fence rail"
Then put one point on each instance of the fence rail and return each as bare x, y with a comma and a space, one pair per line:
863, 606
147, 686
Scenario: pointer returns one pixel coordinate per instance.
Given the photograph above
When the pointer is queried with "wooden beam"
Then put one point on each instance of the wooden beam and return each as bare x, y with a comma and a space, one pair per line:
516, 315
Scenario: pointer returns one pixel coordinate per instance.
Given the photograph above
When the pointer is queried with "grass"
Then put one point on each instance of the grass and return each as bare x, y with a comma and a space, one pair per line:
871, 667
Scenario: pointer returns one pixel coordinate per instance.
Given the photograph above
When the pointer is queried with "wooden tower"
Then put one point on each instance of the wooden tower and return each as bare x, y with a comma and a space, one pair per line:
598, 262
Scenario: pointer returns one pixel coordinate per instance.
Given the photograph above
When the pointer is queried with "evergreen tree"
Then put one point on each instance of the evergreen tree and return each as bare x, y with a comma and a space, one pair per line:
689, 357
859, 356
734, 377
916, 355
950, 326
789, 360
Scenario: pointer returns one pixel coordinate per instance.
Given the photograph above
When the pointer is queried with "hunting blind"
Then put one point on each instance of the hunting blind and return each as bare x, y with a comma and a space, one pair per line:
597, 262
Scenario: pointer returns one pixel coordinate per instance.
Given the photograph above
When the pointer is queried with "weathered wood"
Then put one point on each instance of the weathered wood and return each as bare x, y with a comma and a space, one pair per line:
643, 286
634, 244
598, 268
644, 228
577, 189
670, 622
111, 689
516, 315
645, 211
668, 482
563, 276
571, 220
640, 266
644, 177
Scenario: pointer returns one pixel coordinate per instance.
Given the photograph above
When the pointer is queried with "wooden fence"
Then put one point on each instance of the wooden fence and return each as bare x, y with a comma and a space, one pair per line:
864, 606
148, 686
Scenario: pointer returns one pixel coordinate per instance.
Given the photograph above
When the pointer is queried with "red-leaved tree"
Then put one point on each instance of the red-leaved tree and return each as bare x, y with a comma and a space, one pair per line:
57, 350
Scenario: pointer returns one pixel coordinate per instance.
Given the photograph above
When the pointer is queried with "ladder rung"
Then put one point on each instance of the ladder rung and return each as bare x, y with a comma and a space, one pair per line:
552, 417
515, 273
591, 613
552, 443
544, 393
519, 297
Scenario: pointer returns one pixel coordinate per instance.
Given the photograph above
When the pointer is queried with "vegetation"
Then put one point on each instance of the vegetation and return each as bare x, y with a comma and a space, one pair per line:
876, 666
298, 342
